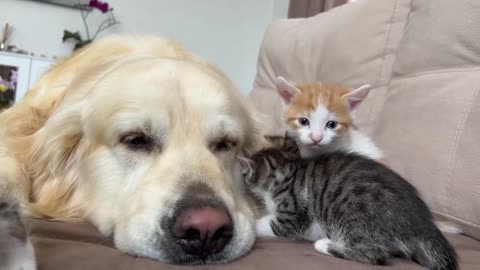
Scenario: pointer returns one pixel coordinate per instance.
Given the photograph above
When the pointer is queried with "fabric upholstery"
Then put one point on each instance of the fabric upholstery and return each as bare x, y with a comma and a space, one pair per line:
307, 8
61, 246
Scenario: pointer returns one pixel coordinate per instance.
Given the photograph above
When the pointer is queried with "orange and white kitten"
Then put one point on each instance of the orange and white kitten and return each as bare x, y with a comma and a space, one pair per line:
319, 117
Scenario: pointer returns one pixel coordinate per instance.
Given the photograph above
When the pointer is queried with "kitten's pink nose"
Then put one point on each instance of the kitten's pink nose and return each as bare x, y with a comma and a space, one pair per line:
315, 138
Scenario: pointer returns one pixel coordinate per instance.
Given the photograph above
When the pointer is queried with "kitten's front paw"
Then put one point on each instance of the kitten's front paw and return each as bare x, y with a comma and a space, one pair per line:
263, 226
448, 227
322, 246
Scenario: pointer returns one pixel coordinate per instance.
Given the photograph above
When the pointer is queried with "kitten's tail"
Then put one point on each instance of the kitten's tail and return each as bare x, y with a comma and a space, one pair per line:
433, 251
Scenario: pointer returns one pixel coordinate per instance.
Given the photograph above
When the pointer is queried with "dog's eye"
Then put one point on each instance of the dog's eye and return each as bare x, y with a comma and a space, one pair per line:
223, 146
137, 141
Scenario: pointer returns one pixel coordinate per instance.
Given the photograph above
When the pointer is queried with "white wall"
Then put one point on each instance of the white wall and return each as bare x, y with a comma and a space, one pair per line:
280, 9
226, 32
39, 27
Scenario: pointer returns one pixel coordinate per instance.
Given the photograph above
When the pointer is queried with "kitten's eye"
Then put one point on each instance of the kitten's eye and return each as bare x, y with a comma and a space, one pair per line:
137, 141
331, 124
303, 121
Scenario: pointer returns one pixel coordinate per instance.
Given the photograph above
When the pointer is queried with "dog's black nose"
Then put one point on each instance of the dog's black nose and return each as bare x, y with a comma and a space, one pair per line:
202, 231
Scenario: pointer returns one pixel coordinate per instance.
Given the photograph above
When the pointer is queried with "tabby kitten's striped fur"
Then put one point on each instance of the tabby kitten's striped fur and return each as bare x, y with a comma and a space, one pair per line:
16, 249
351, 206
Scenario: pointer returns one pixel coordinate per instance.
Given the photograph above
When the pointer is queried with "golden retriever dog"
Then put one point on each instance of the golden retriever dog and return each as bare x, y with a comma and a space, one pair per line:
138, 137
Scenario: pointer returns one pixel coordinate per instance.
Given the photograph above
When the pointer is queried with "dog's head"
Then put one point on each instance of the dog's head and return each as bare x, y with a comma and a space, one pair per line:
144, 147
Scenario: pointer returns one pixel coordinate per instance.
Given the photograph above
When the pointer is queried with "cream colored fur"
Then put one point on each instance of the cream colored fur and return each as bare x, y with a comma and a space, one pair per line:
62, 157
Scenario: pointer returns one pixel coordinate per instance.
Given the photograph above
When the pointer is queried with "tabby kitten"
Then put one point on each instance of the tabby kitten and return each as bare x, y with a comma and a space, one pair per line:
319, 117
16, 249
351, 206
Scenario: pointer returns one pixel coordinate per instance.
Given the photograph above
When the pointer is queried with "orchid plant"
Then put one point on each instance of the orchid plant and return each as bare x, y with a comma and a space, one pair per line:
85, 11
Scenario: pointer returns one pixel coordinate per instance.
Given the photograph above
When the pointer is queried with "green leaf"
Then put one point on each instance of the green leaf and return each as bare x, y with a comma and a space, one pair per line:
69, 35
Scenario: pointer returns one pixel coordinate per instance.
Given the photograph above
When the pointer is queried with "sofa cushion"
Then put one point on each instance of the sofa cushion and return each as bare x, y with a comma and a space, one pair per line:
429, 123
440, 34
423, 59
351, 45
429, 129
61, 246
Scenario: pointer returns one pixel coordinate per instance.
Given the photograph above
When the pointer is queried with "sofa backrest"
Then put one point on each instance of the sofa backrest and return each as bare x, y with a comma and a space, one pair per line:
423, 59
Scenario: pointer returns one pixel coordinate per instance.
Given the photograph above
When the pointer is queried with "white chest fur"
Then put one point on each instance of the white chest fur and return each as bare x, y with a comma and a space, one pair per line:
362, 144
270, 204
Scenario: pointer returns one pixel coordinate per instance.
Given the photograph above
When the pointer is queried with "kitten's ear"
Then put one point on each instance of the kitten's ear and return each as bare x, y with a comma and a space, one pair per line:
355, 97
246, 164
247, 169
286, 89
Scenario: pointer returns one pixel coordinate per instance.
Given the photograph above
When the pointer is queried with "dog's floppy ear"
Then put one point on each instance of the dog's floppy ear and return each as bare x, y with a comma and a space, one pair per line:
53, 163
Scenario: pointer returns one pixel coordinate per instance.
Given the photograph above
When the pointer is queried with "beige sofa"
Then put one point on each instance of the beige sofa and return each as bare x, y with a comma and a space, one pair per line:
423, 58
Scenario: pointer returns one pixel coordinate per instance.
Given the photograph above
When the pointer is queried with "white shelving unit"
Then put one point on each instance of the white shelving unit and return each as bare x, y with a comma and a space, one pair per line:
30, 68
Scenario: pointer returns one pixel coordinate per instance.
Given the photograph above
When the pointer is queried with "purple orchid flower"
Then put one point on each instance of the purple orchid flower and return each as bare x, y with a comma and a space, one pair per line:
93, 3
102, 6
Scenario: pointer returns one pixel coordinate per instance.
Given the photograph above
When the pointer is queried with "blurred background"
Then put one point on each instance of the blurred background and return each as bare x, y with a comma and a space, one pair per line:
36, 33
